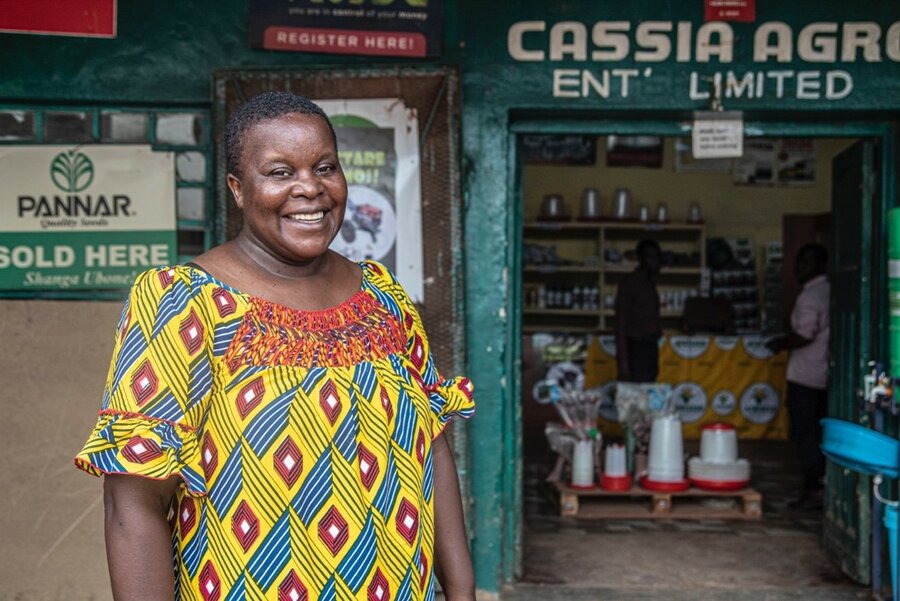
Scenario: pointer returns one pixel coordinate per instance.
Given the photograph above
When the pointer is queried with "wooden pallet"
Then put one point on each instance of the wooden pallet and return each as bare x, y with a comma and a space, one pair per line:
639, 503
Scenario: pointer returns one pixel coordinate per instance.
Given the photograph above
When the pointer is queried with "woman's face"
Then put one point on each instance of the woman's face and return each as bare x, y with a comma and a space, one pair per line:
291, 188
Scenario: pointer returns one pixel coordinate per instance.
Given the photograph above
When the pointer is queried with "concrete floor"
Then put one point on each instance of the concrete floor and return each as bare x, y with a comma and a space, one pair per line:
778, 558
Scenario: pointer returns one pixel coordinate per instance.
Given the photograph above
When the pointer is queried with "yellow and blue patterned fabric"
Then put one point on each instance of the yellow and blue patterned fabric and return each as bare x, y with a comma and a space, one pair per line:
303, 438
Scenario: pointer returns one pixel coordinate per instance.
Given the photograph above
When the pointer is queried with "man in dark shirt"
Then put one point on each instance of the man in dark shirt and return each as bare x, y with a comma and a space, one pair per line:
637, 318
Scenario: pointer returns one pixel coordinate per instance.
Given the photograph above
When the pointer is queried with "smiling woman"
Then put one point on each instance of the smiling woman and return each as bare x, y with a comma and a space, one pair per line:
282, 401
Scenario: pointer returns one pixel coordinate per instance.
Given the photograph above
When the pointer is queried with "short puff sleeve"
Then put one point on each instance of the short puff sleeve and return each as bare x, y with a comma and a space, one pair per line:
448, 398
158, 385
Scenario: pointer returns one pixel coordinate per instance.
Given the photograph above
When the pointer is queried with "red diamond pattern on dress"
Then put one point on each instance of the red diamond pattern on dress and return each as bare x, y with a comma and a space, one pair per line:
386, 403
245, 525
288, 461
417, 354
166, 277
144, 383
368, 466
465, 386
333, 530
191, 332
407, 521
420, 447
210, 585
291, 589
423, 570
141, 450
250, 396
329, 401
187, 516
378, 589
225, 303
210, 458
408, 321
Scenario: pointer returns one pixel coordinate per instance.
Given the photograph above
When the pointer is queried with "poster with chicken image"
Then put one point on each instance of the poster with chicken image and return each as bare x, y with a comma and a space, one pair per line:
378, 147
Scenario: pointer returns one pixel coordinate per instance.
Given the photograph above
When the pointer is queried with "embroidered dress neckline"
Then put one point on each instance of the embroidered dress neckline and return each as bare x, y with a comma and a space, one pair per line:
344, 311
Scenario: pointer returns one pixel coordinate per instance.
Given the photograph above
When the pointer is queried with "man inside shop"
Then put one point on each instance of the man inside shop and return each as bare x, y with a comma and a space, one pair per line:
637, 327
807, 371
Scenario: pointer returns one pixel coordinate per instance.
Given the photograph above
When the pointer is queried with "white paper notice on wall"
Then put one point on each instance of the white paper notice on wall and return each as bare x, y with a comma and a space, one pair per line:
717, 134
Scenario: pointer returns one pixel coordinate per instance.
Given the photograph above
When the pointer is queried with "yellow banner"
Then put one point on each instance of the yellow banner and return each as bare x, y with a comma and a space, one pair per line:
731, 379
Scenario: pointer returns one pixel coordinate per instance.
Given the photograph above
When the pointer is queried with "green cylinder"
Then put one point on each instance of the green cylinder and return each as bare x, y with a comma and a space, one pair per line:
894, 288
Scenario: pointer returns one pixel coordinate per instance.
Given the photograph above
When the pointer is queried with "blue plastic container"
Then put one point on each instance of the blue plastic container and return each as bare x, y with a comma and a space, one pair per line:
890, 522
860, 449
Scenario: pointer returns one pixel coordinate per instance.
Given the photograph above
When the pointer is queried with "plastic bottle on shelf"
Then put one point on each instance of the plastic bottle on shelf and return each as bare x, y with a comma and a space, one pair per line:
576, 298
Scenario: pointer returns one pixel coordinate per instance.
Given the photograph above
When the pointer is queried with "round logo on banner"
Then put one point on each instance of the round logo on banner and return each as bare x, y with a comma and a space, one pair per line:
756, 347
370, 225
608, 344
724, 402
689, 347
607, 409
760, 403
726, 343
689, 400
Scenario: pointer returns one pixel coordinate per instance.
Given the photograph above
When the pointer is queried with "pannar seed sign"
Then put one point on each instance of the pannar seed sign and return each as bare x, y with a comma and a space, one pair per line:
85, 217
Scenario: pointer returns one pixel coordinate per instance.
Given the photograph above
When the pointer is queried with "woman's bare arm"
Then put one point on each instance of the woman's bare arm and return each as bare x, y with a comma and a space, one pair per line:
453, 564
138, 539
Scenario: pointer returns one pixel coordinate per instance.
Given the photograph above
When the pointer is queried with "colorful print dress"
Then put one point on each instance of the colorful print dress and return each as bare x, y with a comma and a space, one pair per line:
303, 438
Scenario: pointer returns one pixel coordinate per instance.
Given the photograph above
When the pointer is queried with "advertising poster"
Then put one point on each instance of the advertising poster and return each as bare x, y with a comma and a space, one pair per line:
784, 161
742, 11
84, 217
378, 146
80, 18
361, 27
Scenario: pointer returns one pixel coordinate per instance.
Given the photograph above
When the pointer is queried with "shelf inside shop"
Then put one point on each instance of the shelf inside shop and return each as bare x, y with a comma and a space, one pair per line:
555, 226
568, 312
650, 226
665, 314
532, 329
664, 271
561, 269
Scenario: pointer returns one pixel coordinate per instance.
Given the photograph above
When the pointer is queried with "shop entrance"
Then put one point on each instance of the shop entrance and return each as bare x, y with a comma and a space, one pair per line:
728, 230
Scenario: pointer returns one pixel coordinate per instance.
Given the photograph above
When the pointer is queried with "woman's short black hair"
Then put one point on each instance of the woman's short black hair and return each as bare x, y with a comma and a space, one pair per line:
269, 105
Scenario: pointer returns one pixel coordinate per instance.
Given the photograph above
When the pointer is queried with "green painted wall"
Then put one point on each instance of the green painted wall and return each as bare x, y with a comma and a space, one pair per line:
166, 50
498, 91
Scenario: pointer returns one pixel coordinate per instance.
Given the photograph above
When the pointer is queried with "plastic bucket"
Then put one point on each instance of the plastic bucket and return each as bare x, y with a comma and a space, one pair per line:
890, 522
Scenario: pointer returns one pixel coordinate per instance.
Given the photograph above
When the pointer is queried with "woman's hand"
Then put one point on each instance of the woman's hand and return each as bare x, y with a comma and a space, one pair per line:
453, 564
138, 538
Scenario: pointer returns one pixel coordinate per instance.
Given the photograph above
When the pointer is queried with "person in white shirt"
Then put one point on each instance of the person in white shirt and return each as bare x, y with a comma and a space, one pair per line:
807, 372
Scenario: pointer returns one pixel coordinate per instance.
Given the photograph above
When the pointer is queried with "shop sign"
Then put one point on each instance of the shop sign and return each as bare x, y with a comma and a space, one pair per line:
81, 18
84, 217
412, 28
378, 146
813, 62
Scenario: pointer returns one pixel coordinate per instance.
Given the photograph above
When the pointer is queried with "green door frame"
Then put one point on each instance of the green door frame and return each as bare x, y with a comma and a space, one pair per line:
500, 519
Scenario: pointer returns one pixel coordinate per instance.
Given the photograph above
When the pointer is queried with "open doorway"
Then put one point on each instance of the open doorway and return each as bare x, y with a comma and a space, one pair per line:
728, 230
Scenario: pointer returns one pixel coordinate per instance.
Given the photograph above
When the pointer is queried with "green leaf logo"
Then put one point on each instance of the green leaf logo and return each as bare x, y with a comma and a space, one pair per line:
72, 171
